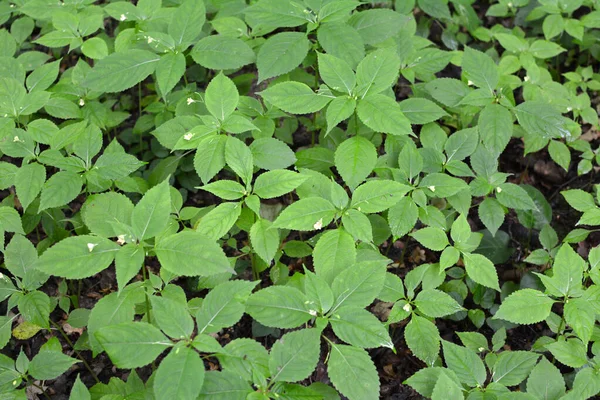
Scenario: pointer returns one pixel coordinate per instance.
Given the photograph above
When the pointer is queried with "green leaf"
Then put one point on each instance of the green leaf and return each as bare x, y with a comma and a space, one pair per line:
116, 165
559, 152
376, 25
265, 16
239, 158
10, 220
43, 77
334, 252
481, 270
224, 385
491, 214
279, 307
526, 306
128, 261
281, 53
339, 109
376, 72
225, 189
186, 23
546, 381
271, 153
442, 185
383, 114
294, 357
62, 188
132, 344
169, 71
480, 69
421, 111
317, 290
151, 214
446, 387
432, 238
355, 159
579, 199
447, 91
580, 316
222, 52
308, 214
343, 41
465, 363
358, 285
378, 195
295, 98
190, 253
210, 157
221, 97
104, 213
180, 375
172, 317
223, 306
545, 49
35, 308
571, 352
218, 221
541, 120
403, 216
122, 70
95, 48
358, 225
277, 182
495, 127
79, 391
77, 257
352, 372
436, 304
336, 73
265, 241
50, 364
513, 196
512, 367
423, 339
29, 180
360, 328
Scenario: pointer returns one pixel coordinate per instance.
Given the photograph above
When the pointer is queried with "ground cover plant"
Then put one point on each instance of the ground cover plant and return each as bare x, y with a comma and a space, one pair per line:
318, 199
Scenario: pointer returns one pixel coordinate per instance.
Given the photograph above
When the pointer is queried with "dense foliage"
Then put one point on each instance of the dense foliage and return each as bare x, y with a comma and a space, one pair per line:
231, 199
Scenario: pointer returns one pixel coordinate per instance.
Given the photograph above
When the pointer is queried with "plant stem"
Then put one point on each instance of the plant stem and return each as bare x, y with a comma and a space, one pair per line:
145, 276
70, 343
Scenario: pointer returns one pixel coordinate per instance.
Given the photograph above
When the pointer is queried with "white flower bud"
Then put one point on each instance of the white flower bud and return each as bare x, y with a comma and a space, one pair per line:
91, 246
319, 224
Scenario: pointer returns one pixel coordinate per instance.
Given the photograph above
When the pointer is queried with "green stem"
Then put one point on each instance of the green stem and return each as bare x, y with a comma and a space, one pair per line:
145, 276
87, 366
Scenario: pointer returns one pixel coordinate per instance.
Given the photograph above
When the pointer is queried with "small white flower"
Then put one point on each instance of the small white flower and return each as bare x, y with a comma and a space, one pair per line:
499, 189
12, 6
150, 39
312, 312
569, 109
358, 208
1, 275
510, 5
16, 139
319, 224
432, 188
407, 307
526, 79
121, 239
122, 17
189, 101
481, 349
91, 246
470, 83
81, 102
188, 136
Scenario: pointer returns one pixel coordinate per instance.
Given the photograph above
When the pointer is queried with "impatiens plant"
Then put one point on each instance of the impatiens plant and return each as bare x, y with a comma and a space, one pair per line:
304, 199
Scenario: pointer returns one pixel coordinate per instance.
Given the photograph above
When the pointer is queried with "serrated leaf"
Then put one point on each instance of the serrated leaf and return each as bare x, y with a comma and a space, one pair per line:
495, 127
442, 185
491, 214
480, 69
403, 216
421, 111
29, 180
423, 339
526, 306
265, 241
279, 306
180, 375
132, 344
172, 317
62, 188
432, 238
223, 306
542, 120
546, 381
190, 253
169, 71
436, 304
294, 357
481, 270
281, 53
355, 159
376, 72
218, 221
360, 328
128, 261
222, 52
239, 158
221, 97
513, 196
336, 73
339, 109
295, 98
277, 182
271, 153
383, 114
186, 23
465, 363
512, 367
210, 157
50, 364
122, 70
378, 195
358, 285
77, 257
308, 214
560, 154
352, 372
